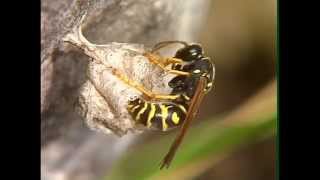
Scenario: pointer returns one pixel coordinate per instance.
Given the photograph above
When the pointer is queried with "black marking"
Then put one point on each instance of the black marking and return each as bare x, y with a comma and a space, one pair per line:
156, 121
135, 112
144, 115
175, 109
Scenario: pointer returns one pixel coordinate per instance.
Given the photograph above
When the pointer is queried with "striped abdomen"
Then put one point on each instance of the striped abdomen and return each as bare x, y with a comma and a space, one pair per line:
159, 115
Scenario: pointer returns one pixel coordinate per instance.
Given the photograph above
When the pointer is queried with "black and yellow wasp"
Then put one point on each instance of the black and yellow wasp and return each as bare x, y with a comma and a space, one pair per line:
195, 74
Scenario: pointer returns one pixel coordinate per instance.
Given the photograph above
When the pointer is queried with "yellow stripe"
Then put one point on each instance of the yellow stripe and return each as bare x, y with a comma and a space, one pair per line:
134, 108
175, 118
164, 113
182, 108
185, 96
151, 115
130, 106
141, 111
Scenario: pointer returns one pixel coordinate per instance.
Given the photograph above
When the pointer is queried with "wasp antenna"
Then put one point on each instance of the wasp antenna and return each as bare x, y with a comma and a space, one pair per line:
163, 44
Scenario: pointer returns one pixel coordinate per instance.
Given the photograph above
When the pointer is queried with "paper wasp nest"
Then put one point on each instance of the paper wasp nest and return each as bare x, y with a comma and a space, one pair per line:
104, 97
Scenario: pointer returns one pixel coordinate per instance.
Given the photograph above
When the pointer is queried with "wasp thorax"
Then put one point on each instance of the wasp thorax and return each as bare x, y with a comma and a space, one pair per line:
190, 53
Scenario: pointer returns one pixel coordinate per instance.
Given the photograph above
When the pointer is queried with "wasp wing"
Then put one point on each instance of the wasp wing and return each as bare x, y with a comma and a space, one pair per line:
193, 108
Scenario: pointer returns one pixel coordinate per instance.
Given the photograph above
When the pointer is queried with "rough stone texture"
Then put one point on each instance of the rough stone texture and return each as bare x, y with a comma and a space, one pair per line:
63, 72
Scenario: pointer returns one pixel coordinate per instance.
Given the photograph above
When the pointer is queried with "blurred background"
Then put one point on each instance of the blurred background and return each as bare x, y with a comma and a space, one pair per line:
234, 133
240, 37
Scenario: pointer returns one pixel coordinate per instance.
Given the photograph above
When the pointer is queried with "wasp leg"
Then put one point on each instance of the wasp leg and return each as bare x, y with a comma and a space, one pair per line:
142, 89
163, 62
156, 59
173, 60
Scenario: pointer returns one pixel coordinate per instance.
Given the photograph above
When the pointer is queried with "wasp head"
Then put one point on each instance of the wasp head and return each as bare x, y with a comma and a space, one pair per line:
190, 53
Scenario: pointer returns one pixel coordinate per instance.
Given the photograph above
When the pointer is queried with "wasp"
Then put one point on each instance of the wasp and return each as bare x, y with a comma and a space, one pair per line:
195, 74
